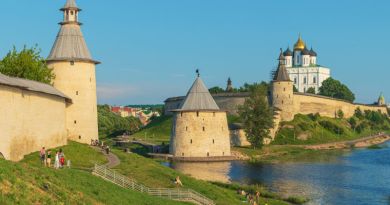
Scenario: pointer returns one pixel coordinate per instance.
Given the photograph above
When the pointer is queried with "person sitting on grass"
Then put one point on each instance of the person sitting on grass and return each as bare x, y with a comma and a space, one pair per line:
178, 181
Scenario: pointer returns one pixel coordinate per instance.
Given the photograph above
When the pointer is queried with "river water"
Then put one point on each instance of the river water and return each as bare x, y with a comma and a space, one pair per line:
360, 177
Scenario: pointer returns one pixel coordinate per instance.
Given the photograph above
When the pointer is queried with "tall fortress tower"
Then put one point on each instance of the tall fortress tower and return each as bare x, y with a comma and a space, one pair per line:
74, 68
200, 128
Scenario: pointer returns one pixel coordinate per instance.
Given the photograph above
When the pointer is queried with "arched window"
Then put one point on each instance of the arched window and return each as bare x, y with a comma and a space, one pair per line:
314, 79
304, 80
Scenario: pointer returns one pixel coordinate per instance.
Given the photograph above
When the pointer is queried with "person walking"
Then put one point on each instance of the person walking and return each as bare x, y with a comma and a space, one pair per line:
57, 160
42, 155
48, 158
107, 149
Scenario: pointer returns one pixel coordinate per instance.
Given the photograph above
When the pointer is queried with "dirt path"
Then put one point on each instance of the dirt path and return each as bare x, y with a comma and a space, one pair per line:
358, 143
113, 160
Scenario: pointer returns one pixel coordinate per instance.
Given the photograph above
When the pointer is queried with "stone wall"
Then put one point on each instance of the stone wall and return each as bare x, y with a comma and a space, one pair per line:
306, 104
200, 134
78, 82
30, 120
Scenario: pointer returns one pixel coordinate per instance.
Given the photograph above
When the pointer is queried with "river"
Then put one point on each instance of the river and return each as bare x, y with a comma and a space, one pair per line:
360, 177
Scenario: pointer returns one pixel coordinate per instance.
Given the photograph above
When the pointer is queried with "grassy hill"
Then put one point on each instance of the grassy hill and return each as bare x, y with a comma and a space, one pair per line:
27, 182
314, 129
158, 131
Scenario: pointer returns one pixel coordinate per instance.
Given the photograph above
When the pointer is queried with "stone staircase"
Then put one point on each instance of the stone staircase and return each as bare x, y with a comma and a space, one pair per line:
186, 195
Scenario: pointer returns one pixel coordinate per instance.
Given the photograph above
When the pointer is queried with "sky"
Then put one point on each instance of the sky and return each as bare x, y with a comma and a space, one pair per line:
150, 49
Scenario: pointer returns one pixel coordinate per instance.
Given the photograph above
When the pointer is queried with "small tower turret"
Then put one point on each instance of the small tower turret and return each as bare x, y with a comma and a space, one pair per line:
229, 87
298, 48
313, 57
305, 57
288, 54
381, 100
282, 91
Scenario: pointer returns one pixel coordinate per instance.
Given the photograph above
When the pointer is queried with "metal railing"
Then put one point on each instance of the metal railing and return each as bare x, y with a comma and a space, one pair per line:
128, 183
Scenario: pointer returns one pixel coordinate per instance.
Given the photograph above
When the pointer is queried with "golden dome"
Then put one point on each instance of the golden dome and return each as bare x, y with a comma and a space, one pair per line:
299, 45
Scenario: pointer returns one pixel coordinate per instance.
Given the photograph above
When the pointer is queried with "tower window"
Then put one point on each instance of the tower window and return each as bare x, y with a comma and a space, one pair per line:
213, 141
204, 129
282, 101
186, 128
208, 154
71, 62
182, 154
213, 114
79, 137
181, 114
191, 141
197, 114
284, 89
75, 122
77, 92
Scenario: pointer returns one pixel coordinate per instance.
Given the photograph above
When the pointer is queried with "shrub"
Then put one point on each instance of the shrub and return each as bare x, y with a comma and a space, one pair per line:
332, 127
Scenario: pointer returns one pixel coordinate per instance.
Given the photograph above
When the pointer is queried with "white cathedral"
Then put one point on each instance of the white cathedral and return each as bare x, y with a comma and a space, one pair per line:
302, 67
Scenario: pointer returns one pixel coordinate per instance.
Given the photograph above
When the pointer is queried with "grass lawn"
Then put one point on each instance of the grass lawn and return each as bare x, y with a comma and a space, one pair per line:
27, 182
157, 131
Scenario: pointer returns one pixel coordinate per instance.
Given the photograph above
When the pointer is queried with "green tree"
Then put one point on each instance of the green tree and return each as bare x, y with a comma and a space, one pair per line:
216, 89
335, 89
311, 90
27, 64
257, 116
340, 114
295, 89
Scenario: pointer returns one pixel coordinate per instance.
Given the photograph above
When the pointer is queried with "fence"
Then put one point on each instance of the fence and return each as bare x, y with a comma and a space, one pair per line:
173, 194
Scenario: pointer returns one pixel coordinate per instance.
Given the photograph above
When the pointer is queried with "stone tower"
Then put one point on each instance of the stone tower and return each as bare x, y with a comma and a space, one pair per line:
282, 91
229, 87
74, 68
200, 128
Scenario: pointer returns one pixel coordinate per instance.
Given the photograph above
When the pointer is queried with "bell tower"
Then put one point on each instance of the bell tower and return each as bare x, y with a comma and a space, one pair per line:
74, 68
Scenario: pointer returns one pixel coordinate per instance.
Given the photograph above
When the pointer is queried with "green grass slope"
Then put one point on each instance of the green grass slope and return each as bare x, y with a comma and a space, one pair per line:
312, 129
158, 131
153, 174
27, 182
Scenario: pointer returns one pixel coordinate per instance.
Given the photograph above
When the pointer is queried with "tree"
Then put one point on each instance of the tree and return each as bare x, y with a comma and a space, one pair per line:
27, 64
335, 89
311, 90
216, 89
340, 114
295, 89
257, 116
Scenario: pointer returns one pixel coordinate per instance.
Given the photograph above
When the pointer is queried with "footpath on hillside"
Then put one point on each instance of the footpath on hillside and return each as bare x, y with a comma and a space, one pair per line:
113, 160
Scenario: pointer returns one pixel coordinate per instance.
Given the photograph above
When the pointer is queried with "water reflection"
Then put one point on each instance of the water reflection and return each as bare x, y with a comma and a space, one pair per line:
214, 171
361, 177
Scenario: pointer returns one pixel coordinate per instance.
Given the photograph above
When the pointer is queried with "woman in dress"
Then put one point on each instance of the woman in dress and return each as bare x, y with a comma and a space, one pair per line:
57, 160
48, 158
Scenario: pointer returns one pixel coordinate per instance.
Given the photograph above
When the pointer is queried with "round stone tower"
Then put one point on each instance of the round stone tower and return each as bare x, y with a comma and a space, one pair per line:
282, 91
74, 68
200, 128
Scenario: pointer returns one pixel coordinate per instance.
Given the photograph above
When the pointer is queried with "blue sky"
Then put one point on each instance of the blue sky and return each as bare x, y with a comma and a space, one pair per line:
150, 49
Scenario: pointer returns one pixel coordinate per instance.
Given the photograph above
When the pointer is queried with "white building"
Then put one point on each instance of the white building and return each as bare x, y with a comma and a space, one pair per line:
302, 67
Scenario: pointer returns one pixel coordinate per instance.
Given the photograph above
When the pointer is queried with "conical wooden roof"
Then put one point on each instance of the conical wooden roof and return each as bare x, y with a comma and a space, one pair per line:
198, 98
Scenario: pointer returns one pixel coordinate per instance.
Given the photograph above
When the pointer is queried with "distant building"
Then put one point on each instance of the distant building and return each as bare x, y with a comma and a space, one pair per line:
124, 111
381, 100
303, 69
229, 87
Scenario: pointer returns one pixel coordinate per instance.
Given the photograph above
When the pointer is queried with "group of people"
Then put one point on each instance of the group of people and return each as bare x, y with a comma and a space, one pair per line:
253, 199
96, 143
46, 158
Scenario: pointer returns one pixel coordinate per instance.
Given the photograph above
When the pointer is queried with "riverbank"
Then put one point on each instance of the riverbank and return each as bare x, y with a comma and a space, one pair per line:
358, 143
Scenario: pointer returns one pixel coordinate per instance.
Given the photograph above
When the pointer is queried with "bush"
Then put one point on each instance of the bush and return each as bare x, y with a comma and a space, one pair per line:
332, 127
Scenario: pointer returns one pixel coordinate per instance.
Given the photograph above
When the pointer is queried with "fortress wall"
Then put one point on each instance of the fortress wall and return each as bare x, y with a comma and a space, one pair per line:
30, 120
306, 104
78, 82
190, 140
